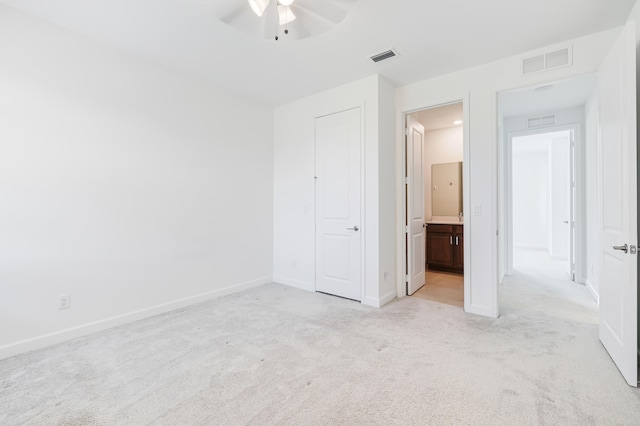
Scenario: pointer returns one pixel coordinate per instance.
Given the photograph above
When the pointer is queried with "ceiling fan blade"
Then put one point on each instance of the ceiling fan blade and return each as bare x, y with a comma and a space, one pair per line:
285, 15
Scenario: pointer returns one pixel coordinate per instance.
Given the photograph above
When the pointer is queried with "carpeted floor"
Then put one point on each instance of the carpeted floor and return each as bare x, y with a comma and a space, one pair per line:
277, 355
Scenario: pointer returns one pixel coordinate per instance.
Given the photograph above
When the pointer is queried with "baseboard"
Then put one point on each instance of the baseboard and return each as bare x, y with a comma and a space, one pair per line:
482, 311
592, 291
56, 337
294, 283
379, 302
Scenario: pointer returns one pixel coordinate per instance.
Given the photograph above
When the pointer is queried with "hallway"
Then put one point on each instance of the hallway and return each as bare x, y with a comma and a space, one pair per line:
541, 284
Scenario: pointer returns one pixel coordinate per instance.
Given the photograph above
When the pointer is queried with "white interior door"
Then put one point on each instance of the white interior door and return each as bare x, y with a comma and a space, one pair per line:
338, 204
416, 256
618, 287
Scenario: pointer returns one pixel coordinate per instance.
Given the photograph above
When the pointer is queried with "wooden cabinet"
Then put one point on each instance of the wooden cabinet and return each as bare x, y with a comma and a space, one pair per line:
445, 247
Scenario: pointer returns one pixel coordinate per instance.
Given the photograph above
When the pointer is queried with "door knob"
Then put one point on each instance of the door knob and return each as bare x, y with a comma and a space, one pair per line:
624, 248
355, 228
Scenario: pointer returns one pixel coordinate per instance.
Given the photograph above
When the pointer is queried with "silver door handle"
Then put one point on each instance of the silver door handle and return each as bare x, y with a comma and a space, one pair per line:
457, 241
450, 240
355, 228
624, 248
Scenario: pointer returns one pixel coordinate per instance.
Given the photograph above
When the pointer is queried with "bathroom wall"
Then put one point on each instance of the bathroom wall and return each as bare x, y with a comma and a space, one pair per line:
441, 146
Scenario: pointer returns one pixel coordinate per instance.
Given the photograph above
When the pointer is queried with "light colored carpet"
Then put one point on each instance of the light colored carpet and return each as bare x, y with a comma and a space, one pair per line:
277, 355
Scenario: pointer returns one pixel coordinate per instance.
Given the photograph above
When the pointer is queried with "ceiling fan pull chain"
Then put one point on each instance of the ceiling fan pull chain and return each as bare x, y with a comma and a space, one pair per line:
276, 3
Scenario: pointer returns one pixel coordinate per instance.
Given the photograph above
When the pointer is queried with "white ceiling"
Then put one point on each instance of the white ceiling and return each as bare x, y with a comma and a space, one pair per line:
558, 95
441, 117
434, 37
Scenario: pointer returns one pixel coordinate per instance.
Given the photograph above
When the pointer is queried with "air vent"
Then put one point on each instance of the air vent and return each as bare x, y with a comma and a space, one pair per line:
547, 120
384, 56
533, 64
559, 58
548, 61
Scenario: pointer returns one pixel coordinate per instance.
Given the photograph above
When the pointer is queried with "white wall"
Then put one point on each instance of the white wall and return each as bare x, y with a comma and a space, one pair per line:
481, 84
294, 223
591, 136
387, 271
530, 198
441, 146
125, 185
559, 195
540, 192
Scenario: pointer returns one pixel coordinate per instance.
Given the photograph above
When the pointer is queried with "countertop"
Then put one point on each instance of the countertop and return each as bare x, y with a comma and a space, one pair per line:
444, 222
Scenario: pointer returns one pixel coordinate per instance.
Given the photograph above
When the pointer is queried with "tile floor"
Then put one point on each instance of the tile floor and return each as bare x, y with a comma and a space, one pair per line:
443, 287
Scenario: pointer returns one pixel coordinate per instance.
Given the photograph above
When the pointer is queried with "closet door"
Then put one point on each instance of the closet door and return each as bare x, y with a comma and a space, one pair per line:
338, 204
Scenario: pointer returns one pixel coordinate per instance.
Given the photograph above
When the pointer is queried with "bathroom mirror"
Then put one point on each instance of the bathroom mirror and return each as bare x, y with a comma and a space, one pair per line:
446, 189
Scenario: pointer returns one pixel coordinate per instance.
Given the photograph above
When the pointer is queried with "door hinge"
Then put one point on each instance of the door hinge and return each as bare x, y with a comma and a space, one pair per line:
406, 229
406, 131
406, 278
406, 180
633, 249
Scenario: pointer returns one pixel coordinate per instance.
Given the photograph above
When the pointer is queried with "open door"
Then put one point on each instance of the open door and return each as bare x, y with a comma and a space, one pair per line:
415, 206
618, 219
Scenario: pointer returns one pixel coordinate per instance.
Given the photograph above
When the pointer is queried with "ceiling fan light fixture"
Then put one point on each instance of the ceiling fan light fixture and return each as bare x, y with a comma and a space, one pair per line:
285, 2
285, 15
259, 6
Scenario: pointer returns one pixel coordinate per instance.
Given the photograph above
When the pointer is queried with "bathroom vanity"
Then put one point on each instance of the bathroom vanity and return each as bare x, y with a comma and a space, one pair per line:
445, 246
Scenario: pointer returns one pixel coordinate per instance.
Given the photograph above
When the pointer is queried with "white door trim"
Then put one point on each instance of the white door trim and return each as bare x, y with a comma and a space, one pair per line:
402, 201
580, 195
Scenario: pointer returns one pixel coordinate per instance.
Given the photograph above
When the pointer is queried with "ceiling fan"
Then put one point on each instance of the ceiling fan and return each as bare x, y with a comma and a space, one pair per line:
290, 19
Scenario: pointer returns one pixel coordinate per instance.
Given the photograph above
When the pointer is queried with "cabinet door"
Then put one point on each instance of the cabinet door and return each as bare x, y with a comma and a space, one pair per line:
458, 248
440, 249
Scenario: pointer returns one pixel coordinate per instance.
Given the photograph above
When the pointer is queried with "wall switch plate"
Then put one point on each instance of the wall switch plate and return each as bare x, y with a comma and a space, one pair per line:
64, 301
477, 210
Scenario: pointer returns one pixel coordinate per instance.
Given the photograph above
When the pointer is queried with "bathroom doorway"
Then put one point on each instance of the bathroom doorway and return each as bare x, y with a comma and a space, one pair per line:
434, 156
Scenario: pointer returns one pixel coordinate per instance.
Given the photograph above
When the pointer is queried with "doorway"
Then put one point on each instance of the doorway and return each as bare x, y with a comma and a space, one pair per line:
548, 139
434, 208
543, 201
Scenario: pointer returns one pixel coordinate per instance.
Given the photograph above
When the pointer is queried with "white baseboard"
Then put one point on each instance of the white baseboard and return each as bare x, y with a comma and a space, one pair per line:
378, 303
483, 311
592, 291
56, 337
294, 283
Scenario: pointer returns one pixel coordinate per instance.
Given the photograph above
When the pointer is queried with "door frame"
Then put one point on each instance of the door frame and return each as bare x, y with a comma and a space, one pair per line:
401, 258
579, 207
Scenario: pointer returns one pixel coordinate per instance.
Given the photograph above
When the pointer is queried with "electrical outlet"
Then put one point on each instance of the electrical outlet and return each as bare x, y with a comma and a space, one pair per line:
64, 301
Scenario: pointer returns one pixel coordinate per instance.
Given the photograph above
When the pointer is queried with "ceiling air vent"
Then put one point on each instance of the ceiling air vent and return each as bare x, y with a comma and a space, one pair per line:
548, 61
383, 56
